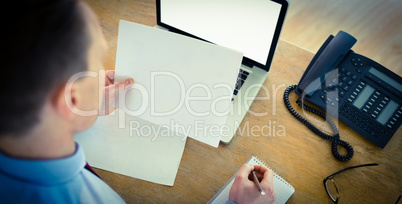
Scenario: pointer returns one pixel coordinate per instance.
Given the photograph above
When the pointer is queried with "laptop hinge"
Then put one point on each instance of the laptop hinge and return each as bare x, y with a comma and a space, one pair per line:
247, 63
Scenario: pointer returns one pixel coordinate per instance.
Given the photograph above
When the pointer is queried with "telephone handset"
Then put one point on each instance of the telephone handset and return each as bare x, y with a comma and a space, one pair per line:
363, 94
328, 57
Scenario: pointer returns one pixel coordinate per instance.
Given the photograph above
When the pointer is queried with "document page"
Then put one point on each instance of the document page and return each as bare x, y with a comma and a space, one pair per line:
180, 82
133, 147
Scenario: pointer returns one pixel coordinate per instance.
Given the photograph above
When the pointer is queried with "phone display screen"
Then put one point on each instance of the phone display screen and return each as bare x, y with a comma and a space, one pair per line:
388, 111
385, 78
363, 96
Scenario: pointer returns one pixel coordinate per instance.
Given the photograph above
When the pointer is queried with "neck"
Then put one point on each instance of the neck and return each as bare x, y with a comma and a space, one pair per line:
40, 144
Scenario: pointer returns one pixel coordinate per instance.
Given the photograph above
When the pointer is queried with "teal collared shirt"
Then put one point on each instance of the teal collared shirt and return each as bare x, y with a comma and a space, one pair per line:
52, 181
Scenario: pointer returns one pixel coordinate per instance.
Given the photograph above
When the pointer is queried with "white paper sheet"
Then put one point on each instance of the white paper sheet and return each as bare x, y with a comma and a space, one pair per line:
170, 71
138, 148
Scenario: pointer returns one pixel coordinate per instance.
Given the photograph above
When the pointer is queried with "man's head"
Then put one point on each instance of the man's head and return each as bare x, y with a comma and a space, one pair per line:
45, 44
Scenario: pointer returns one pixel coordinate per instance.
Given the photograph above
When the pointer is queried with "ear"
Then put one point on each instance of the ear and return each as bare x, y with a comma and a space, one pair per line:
64, 99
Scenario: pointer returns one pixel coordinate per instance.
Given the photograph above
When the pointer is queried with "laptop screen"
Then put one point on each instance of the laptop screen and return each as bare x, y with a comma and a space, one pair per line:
249, 26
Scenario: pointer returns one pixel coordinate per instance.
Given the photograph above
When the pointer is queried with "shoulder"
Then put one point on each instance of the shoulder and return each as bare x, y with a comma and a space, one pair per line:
94, 187
83, 188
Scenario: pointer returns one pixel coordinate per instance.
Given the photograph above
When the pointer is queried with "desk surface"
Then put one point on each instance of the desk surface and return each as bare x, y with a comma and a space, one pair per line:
294, 152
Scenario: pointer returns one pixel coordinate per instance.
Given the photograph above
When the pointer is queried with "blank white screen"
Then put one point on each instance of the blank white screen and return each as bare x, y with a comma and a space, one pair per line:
247, 26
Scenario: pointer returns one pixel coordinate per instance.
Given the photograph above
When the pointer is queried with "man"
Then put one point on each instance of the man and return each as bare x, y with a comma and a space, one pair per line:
46, 44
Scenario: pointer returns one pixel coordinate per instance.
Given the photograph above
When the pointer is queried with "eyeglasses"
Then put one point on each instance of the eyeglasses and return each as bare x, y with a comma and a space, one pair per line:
330, 185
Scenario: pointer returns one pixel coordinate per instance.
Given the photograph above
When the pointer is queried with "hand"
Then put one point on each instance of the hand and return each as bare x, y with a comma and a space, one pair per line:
244, 189
108, 102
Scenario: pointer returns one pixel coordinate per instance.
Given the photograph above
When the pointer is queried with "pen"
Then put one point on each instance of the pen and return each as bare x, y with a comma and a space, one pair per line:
257, 183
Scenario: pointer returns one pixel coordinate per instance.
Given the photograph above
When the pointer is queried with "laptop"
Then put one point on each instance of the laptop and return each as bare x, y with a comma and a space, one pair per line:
249, 26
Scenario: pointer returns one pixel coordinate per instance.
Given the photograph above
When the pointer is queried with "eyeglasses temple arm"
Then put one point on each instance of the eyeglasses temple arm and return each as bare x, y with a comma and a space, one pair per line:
351, 167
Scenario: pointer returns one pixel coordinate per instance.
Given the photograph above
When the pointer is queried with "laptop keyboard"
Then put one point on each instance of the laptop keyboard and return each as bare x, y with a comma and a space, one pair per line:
240, 81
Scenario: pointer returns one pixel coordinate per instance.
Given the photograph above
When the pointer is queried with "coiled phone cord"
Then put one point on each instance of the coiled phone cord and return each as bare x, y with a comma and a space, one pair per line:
335, 139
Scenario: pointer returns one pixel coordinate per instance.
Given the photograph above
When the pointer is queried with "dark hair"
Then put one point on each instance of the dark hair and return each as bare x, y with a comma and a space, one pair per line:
45, 44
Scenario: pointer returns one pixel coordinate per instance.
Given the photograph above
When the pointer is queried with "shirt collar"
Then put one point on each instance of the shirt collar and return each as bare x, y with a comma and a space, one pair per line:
44, 172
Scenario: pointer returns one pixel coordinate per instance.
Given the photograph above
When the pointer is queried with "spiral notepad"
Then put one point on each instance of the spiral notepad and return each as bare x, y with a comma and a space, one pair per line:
282, 188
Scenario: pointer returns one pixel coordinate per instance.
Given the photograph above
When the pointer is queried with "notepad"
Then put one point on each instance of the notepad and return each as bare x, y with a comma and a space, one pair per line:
282, 188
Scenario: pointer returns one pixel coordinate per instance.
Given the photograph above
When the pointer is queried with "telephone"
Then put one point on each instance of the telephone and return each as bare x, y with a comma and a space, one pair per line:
363, 94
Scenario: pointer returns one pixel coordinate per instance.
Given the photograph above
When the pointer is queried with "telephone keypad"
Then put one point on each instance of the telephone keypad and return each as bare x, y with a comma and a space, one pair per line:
340, 82
346, 81
362, 121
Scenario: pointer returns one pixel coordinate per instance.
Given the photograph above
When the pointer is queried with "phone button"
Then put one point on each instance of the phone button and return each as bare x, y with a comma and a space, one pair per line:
358, 62
343, 70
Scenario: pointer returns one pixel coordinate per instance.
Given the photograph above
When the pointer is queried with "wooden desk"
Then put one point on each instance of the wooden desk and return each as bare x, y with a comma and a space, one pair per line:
294, 152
